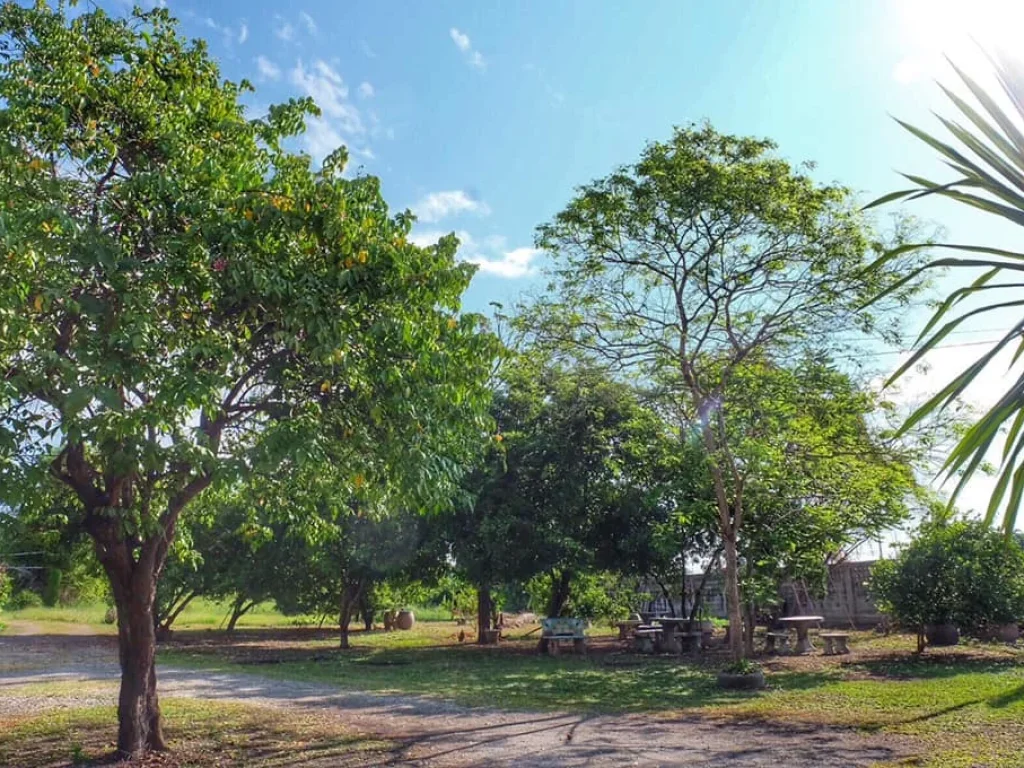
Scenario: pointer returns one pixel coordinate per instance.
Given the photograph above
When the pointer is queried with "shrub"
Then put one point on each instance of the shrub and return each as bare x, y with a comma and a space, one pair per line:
959, 572
24, 598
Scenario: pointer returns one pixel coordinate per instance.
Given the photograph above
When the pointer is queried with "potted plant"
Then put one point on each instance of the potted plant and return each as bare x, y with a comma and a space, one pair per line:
741, 675
955, 574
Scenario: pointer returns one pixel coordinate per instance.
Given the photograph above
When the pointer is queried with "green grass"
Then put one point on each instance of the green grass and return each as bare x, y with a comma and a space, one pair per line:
200, 614
964, 708
204, 734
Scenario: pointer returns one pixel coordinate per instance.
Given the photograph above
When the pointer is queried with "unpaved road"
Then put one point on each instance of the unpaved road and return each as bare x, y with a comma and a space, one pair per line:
443, 735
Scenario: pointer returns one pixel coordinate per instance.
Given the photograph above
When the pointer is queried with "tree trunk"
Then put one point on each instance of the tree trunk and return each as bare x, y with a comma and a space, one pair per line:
138, 709
163, 628
238, 610
484, 606
559, 593
732, 598
748, 633
367, 613
349, 599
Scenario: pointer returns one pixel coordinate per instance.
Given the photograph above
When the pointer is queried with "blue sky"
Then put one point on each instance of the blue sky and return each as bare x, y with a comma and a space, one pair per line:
483, 117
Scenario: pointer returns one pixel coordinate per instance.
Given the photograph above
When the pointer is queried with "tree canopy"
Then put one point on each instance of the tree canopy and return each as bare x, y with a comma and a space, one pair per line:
184, 300
708, 255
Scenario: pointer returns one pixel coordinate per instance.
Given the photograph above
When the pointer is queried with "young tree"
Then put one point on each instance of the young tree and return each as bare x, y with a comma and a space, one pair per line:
709, 252
182, 299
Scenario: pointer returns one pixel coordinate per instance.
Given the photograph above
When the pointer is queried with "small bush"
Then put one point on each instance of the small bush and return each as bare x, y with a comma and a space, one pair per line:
959, 572
742, 667
24, 598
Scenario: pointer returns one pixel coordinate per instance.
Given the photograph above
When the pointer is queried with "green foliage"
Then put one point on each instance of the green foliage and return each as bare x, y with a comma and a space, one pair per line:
52, 587
24, 598
577, 473
956, 572
5, 587
987, 157
705, 260
601, 595
820, 477
742, 667
183, 298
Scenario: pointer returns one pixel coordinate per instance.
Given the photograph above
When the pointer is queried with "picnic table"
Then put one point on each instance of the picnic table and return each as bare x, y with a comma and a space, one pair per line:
645, 636
627, 628
802, 625
678, 635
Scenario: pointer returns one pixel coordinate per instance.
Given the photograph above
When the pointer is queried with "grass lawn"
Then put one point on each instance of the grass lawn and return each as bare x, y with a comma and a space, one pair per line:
204, 735
200, 614
964, 706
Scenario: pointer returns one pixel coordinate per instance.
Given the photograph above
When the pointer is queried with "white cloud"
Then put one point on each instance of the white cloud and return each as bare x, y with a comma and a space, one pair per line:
285, 31
461, 39
328, 90
308, 22
366, 90
321, 138
440, 205
512, 264
243, 33
341, 122
367, 50
473, 57
211, 23
268, 69
489, 255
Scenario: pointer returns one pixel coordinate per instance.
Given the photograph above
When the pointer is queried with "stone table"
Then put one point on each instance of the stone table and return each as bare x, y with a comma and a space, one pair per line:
802, 624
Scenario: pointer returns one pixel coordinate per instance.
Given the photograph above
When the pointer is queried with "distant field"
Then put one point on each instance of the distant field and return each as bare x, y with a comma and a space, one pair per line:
200, 614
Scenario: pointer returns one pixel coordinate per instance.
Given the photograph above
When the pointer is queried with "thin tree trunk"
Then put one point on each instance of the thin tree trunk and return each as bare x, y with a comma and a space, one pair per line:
732, 598
560, 593
349, 598
238, 610
165, 625
748, 633
697, 596
668, 595
484, 605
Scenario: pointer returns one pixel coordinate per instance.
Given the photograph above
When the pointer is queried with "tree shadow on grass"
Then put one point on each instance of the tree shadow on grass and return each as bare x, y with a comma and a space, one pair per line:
932, 667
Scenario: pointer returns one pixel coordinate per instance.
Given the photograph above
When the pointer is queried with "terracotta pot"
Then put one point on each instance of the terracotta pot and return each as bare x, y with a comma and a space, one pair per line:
732, 682
941, 634
406, 620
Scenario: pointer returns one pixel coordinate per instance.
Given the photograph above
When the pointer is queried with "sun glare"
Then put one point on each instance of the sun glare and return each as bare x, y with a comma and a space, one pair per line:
933, 30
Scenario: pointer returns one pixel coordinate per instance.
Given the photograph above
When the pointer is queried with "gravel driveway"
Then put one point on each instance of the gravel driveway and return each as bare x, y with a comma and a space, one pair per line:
440, 735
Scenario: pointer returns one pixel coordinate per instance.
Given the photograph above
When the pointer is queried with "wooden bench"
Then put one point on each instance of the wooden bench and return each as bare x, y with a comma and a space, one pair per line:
563, 631
773, 638
644, 638
835, 643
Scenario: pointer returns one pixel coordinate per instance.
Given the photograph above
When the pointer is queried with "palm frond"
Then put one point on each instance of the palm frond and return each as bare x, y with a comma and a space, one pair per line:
987, 154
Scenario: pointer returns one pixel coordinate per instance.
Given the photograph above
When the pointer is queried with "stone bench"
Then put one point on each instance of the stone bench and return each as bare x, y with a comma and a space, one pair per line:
559, 632
776, 642
645, 637
835, 643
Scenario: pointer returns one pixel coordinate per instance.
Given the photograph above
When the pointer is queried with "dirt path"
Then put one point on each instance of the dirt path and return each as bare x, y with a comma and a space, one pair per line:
438, 734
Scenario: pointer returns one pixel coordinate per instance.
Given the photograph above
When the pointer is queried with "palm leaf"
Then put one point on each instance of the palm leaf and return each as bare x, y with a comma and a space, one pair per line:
987, 154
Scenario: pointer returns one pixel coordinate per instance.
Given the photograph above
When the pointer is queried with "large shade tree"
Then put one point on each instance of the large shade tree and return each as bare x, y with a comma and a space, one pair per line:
708, 252
183, 299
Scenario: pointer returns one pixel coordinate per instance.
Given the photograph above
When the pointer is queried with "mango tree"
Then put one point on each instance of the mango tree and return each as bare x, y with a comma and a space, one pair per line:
183, 300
